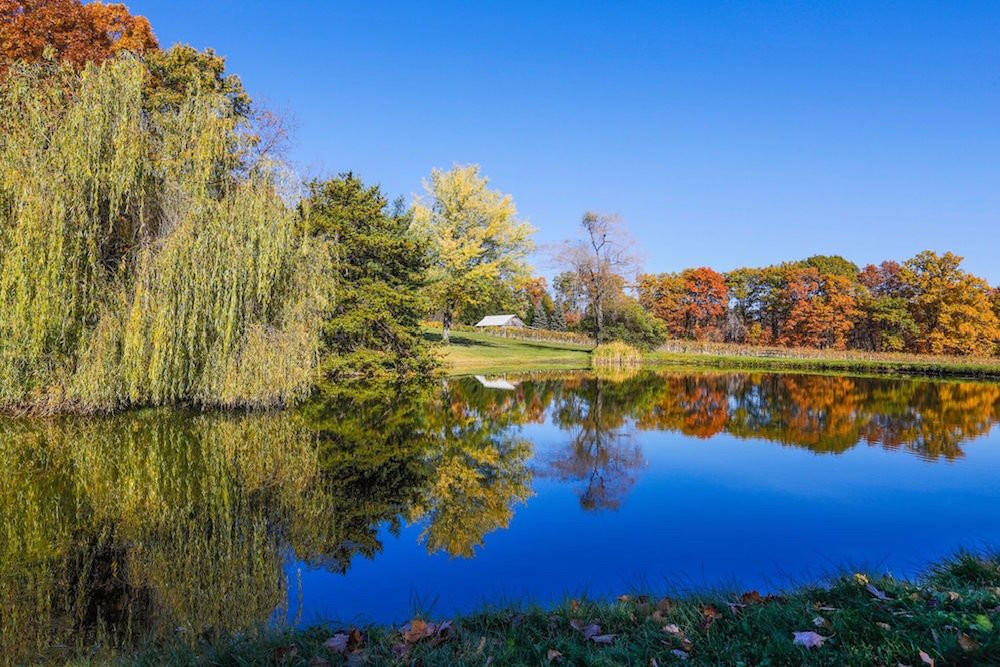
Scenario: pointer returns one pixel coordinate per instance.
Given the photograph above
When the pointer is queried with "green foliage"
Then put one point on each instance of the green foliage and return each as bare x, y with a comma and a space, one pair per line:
627, 321
138, 266
478, 244
372, 326
182, 71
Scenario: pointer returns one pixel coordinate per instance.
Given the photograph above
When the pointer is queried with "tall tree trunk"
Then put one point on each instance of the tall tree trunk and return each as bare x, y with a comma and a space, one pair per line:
446, 325
598, 319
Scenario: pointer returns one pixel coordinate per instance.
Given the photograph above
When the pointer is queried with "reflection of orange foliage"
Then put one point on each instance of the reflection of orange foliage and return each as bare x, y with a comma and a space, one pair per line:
826, 413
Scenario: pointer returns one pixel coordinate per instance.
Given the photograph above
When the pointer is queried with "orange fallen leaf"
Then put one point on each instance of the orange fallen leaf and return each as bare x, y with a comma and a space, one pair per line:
415, 630
355, 640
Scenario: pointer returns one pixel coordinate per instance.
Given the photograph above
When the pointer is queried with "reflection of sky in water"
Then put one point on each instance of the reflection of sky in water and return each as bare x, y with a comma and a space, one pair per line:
719, 511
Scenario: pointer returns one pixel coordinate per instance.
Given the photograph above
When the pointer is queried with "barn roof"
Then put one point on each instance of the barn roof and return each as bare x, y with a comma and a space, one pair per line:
498, 321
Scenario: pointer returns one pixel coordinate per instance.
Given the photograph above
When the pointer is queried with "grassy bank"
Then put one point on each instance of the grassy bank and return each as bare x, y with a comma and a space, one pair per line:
946, 618
836, 361
470, 353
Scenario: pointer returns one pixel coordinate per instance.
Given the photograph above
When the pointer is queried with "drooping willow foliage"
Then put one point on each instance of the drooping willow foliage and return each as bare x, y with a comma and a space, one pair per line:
140, 264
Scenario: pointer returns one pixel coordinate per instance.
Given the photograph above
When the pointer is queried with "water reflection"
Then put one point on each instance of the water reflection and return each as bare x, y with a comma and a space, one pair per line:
139, 525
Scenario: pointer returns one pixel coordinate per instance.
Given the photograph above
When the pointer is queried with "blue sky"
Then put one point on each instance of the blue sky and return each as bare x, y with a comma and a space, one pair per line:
725, 133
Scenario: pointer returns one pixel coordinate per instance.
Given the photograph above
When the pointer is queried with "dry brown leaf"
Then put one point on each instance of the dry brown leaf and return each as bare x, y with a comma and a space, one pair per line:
553, 654
482, 645
415, 630
926, 659
967, 643
751, 597
355, 640
884, 626
283, 653
821, 622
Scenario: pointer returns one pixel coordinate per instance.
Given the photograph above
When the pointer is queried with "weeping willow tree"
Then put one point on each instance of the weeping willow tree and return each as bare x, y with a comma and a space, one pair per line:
140, 262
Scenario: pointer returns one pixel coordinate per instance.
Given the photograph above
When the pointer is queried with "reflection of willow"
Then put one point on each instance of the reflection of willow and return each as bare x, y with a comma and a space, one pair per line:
144, 523
602, 455
825, 413
479, 466
128, 527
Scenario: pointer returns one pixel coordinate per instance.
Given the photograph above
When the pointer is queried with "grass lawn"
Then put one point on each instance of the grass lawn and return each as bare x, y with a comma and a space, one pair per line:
470, 353
947, 617
930, 367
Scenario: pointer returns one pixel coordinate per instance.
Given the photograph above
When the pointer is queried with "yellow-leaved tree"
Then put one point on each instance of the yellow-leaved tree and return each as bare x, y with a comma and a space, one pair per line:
475, 237
952, 308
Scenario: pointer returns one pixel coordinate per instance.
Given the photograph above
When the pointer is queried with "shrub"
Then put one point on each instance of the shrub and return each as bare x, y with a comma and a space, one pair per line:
615, 354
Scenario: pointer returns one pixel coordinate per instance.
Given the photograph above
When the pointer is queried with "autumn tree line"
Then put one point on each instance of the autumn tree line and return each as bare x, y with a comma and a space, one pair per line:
156, 248
926, 304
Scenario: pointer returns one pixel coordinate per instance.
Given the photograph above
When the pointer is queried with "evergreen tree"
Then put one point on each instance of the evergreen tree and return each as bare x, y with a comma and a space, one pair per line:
558, 317
541, 320
373, 324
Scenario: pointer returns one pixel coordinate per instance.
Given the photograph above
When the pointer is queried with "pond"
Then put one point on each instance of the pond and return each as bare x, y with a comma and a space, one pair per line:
442, 498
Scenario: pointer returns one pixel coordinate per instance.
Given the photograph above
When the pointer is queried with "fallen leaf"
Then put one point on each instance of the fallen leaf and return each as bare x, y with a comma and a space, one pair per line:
967, 643
884, 626
672, 629
415, 630
664, 605
821, 622
337, 643
926, 659
751, 597
482, 645
283, 653
355, 640
680, 654
876, 593
709, 615
687, 645
861, 578
809, 639
553, 654
602, 639
574, 604
624, 598
953, 596
653, 663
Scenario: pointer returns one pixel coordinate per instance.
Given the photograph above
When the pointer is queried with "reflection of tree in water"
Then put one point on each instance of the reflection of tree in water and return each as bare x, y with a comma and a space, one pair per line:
480, 467
602, 454
824, 413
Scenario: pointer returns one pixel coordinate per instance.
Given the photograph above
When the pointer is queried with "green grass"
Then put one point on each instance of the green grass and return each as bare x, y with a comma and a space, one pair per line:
910, 367
949, 615
469, 353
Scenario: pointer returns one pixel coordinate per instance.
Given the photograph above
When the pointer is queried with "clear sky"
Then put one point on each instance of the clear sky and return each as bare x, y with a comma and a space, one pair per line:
725, 133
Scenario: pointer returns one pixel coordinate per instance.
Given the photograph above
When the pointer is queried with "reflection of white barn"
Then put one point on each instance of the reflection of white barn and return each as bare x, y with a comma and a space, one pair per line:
500, 321
498, 383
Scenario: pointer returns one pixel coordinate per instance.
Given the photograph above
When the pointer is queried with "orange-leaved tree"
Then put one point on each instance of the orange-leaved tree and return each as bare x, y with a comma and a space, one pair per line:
69, 30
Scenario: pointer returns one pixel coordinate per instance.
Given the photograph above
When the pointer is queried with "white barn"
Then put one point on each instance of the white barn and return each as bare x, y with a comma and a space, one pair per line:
500, 321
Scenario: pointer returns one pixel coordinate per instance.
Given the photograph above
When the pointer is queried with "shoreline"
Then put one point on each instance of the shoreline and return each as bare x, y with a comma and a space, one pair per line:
478, 353
948, 615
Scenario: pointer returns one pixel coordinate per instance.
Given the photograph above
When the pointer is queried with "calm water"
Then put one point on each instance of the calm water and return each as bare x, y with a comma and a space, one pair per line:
445, 497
